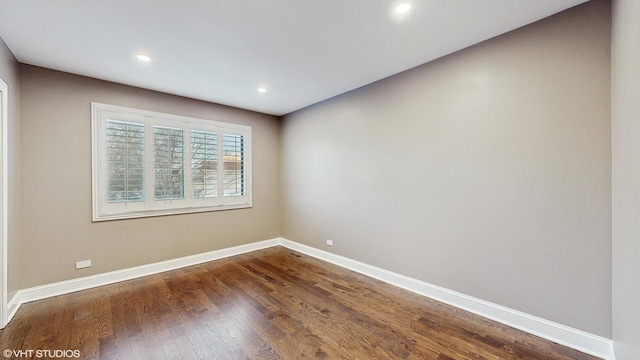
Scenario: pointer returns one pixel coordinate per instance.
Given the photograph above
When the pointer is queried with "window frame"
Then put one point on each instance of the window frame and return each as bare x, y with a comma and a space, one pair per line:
103, 210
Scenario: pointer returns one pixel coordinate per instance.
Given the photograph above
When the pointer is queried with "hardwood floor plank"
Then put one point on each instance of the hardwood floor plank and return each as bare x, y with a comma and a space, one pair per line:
269, 304
81, 330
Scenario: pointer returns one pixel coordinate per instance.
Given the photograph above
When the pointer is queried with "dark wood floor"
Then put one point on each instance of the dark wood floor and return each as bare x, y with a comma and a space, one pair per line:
268, 304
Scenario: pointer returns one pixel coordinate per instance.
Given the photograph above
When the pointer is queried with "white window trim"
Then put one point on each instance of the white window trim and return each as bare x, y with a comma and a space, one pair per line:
150, 207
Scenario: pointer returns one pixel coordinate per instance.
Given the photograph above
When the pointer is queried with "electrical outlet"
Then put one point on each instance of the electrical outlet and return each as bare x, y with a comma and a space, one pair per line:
83, 264
329, 242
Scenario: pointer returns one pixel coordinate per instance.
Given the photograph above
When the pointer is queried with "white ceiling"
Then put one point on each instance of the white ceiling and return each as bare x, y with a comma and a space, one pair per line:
302, 51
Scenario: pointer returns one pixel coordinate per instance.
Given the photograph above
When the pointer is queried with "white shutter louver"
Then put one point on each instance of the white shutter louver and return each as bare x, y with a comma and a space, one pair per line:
125, 161
234, 164
168, 158
204, 164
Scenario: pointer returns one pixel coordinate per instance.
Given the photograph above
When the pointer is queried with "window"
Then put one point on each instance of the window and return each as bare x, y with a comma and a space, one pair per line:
149, 164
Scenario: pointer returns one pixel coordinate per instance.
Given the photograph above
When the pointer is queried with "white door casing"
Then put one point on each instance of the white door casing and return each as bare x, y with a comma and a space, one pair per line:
4, 119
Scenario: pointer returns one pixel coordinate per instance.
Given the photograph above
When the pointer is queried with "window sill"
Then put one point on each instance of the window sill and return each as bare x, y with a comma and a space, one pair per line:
152, 213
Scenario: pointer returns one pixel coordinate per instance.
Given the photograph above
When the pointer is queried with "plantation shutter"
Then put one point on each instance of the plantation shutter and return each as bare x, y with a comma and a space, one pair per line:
168, 159
125, 161
149, 164
204, 164
233, 147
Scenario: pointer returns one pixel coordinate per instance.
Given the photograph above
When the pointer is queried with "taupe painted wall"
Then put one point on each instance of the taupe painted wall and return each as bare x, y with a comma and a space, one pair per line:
56, 183
487, 172
10, 74
625, 119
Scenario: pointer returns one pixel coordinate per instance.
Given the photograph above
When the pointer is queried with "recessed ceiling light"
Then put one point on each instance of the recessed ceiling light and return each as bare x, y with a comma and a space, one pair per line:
403, 8
262, 90
143, 57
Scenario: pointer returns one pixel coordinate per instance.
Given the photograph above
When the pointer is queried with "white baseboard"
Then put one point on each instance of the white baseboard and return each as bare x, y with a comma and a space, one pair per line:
561, 334
558, 333
12, 306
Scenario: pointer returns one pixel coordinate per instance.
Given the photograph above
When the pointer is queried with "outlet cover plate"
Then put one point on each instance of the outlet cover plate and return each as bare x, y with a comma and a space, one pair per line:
83, 264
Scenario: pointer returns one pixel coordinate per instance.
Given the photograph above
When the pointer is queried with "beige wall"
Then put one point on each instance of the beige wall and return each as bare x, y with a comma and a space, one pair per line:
56, 183
625, 119
10, 74
486, 172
